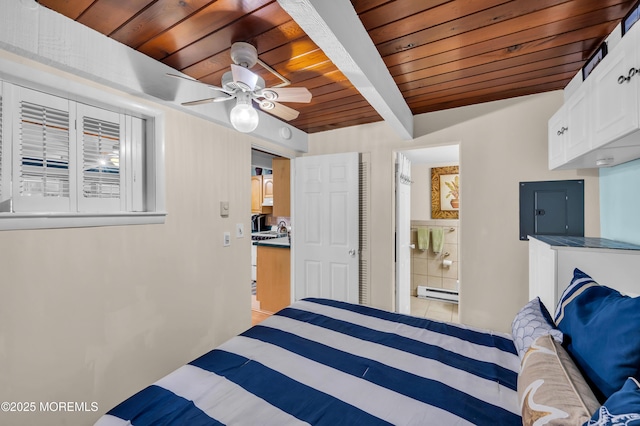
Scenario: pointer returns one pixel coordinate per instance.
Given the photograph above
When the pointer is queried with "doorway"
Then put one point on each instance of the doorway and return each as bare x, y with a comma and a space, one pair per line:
434, 268
270, 224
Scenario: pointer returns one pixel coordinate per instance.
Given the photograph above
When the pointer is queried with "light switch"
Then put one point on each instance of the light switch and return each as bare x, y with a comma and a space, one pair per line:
226, 239
224, 208
239, 230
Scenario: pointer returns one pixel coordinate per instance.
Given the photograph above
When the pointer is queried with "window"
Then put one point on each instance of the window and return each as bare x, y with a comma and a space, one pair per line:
0, 141
79, 164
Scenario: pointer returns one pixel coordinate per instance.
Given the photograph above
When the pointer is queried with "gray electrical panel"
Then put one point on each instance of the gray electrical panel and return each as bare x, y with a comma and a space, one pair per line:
552, 208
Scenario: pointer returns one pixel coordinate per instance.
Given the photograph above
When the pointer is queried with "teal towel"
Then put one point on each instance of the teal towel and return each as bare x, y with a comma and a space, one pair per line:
437, 237
423, 238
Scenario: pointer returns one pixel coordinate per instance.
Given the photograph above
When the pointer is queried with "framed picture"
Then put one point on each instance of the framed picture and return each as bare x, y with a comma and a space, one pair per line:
445, 193
594, 60
631, 18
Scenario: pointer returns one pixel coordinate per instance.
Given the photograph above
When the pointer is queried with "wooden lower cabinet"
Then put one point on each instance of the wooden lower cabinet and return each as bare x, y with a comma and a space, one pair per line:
273, 278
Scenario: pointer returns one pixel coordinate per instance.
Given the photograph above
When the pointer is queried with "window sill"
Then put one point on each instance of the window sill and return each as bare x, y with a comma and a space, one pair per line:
17, 221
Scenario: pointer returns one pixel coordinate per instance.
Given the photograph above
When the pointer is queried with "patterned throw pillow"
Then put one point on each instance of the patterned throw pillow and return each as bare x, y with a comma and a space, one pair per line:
531, 322
622, 408
551, 390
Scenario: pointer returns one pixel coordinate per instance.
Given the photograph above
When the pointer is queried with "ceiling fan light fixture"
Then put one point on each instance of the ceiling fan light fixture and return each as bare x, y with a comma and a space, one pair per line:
243, 116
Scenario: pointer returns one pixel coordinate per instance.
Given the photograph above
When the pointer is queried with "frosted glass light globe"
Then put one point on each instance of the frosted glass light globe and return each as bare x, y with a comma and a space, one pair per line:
244, 117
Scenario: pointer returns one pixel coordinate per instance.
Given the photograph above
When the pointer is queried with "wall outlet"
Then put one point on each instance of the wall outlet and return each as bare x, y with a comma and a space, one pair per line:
239, 230
226, 239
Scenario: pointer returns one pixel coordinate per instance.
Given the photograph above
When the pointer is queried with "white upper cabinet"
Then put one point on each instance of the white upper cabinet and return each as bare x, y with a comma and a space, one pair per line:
557, 135
578, 135
615, 94
569, 135
601, 119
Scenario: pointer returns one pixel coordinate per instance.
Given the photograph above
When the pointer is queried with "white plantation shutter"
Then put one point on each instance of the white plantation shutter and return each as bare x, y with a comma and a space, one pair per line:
1, 158
101, 139
43, 157
135, 175
5, 153
65, 163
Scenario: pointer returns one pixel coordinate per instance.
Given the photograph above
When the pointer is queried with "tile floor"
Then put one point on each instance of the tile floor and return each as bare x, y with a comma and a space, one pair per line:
425, 308
434, 309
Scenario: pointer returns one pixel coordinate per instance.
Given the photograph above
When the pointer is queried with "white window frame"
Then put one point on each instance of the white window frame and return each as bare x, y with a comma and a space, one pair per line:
149, 209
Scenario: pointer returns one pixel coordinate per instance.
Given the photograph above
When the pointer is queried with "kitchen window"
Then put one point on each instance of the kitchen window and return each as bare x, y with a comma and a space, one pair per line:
66, 163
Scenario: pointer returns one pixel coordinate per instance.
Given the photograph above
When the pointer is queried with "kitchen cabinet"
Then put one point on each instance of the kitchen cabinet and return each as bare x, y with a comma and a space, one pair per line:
281, 187
569, 135
599, 125
273, 289
267, 189
257, 195
615, 98
578, 139
557, 135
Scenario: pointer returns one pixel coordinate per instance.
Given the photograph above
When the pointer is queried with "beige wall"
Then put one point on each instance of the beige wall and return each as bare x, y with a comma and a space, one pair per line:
420, 192
95, 314
501, 144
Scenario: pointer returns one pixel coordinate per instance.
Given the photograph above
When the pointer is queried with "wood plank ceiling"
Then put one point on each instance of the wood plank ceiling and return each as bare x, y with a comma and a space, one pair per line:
441, 53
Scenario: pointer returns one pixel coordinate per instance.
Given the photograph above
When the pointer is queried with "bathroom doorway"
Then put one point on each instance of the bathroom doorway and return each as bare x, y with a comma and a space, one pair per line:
435, 262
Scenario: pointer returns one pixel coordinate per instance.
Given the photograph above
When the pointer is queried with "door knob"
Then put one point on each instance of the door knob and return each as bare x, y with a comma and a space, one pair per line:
412, 246
352, 253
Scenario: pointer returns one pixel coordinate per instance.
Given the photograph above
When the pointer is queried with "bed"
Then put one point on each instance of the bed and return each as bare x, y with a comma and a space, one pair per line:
325, 362
328, 363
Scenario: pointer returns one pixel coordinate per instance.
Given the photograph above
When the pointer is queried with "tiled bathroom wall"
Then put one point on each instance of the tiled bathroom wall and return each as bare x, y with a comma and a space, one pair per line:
427, 268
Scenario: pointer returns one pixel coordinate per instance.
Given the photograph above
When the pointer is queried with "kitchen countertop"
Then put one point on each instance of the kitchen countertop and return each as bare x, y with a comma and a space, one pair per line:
282, 242
585, 242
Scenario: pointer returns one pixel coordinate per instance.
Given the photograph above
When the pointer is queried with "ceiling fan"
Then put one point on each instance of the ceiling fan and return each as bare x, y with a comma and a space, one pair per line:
247, 87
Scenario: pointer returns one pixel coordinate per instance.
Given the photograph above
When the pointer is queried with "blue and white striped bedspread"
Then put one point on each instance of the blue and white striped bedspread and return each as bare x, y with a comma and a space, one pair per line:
324, 362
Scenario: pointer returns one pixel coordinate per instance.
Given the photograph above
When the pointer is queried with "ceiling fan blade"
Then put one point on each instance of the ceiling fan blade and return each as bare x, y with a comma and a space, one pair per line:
221, 98
279, 110
244, 77
193, 80
291, 94
199, 102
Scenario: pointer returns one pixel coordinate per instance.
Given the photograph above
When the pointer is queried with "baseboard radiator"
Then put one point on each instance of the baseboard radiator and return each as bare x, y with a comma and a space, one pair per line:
435, 293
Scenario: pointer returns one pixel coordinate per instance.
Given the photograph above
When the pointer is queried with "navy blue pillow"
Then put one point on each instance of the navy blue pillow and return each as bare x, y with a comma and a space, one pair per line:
601, 331
622, 408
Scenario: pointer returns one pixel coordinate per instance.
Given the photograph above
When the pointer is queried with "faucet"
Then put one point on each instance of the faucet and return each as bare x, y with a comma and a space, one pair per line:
282, 227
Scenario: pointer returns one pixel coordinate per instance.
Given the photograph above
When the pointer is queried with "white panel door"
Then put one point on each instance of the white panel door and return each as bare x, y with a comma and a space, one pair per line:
403, 235
325, 227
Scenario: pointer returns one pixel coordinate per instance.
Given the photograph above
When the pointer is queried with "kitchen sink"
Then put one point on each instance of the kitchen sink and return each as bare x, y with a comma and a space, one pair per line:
264, 235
